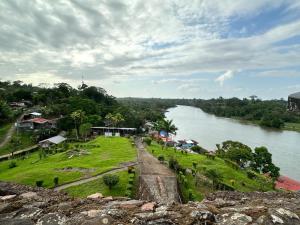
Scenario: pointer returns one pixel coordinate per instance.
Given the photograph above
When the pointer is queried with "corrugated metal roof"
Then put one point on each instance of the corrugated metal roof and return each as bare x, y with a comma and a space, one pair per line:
295, 95
55, 140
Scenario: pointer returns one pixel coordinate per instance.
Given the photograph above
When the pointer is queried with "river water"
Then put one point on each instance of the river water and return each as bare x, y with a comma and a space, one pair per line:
208, 130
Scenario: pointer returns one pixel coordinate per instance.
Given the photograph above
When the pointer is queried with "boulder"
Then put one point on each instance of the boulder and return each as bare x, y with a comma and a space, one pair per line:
95, 196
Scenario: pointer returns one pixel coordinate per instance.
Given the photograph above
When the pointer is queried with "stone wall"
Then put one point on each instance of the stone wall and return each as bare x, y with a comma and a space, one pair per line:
27, 206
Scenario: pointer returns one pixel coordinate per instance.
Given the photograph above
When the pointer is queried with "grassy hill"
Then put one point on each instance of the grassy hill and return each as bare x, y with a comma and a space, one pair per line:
236, 178
102, 154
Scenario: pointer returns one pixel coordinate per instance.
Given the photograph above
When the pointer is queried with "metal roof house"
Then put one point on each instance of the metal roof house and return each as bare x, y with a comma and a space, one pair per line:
52, 141
294, 102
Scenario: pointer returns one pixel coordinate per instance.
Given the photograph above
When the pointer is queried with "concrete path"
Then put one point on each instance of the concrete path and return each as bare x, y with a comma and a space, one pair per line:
86, 180
157, 182
28, 149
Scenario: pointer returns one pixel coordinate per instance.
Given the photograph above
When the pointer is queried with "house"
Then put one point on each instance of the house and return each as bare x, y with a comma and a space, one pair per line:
52, 141
32, 115
21, 104
36, 124
185, 144
113, 131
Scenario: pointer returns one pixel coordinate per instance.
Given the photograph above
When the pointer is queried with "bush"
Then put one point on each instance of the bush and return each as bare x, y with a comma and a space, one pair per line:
110, 180
39, 183
195, 165
191, 195
12, 164
131, 169
198, 149
128, 193
129, 186
55, 181
161, 158
251, 174
147, 141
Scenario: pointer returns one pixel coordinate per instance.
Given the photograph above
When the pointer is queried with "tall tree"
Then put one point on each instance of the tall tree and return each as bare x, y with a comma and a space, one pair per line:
78, 117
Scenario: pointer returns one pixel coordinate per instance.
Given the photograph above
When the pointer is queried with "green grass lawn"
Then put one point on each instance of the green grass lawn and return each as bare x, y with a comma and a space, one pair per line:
110, 154
25, 141
203, 163
3, 130
98, 185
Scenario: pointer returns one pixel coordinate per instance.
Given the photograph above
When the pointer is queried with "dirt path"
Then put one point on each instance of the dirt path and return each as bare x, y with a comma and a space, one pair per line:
9, 133
85, 180
157, 182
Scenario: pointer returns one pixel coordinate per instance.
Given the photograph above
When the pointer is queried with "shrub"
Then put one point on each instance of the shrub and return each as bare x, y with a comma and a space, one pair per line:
198, 149
161, 158
129, 186
251, 174
191, 195
110, 180
128, 193
55, 181
39, 183
173, 163
130, 169
12, 164
147, 141
130, 181
195, 165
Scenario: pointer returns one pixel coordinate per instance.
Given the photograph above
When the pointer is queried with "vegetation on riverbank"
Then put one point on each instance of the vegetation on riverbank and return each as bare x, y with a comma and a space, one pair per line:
196, 182
80, 160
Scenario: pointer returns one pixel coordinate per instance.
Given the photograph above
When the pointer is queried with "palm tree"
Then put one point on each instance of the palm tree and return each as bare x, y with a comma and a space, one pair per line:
78, 117
166, 125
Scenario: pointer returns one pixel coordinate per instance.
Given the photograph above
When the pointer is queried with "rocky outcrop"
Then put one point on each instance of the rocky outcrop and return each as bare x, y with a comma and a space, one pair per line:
27, 206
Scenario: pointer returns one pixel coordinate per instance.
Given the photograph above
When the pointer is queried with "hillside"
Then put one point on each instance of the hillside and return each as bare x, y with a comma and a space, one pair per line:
199, 185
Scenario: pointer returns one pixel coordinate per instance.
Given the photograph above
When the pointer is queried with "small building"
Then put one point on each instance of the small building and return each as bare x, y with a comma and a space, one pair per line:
52, 141
36, 124
294, 102
113, 131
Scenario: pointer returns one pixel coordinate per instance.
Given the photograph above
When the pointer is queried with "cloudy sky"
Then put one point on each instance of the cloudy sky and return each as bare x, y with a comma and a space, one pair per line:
155, 48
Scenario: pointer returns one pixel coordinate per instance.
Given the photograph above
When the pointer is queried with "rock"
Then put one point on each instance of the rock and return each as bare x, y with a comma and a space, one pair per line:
52, 219
148, 206
95, 196
92, 213
203, 217
288, 213
103, 220
29, 194
276, 219
109, 198
16, 222
235, 219
7, 197
32, 212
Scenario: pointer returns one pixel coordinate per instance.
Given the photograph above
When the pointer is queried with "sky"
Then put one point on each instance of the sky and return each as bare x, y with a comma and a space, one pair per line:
155, 48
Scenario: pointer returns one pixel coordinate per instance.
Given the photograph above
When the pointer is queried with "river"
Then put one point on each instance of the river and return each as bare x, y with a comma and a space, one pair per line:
208, 130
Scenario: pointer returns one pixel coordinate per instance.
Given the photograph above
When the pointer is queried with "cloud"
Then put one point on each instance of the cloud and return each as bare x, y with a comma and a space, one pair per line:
135, 38
225, 76
279, 73
178, 80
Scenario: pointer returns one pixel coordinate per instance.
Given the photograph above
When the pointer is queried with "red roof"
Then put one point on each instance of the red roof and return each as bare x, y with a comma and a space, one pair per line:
287, 183
39, 120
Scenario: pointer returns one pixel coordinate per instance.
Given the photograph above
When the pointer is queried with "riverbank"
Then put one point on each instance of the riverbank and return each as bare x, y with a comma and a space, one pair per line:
210, 130
287, 126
